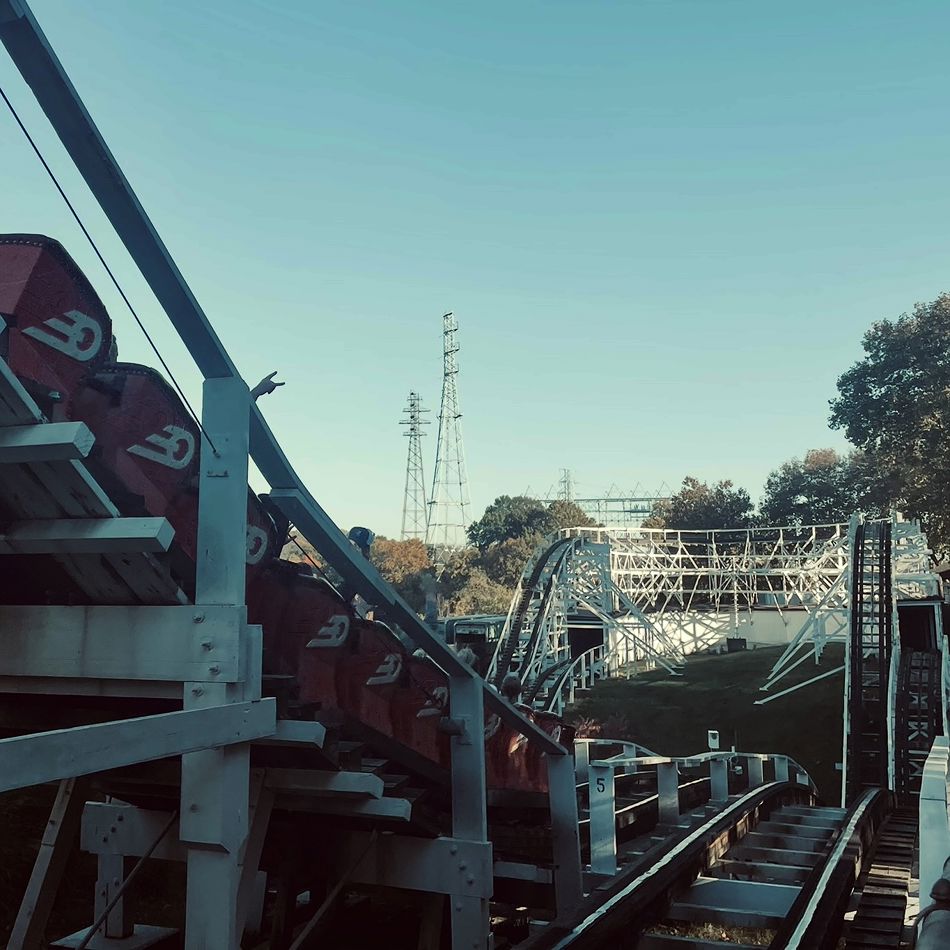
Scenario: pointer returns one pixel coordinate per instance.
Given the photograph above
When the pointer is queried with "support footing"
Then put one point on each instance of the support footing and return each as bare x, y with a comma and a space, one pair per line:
142, 936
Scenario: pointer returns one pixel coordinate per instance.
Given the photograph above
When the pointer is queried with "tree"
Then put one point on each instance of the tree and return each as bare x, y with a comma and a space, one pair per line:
465, 588
568, 514
698, 506
406, 565
894, 404
822, 488
503, 562
516, 516
510, 517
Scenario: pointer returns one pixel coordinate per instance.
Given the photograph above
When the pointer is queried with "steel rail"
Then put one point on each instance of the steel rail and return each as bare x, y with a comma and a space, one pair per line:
508, 642
634, 896
816, 918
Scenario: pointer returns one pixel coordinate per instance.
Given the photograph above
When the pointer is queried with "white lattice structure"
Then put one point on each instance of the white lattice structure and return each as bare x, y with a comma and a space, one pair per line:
913, 579
658, 595
700, 587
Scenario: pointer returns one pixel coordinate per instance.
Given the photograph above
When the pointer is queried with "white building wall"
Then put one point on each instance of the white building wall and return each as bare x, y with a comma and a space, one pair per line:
700, 630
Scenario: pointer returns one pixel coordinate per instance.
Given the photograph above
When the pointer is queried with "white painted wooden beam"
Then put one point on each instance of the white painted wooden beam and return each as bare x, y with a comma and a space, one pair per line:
53, 442
64, 753
313, 782
57, 845
296, 733
392, 809
437, 865
177, 644
87, 536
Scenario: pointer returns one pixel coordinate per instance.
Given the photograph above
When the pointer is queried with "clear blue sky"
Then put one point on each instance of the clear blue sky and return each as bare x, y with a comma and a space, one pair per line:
664, 226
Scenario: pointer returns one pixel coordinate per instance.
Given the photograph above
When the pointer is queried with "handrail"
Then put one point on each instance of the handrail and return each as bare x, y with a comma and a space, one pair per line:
933, 925
601, 791
934, 817
625, 904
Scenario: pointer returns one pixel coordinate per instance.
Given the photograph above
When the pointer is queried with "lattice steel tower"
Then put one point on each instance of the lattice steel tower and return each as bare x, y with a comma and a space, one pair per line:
449, 501
415, 511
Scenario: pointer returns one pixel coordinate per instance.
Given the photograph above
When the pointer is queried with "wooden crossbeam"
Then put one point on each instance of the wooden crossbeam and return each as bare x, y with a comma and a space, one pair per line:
48, 869
436, 865
64, 753
171, 644
45, 443
88, 536
312, 782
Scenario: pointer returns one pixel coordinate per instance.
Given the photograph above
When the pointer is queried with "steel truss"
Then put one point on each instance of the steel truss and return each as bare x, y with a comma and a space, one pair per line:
658, 595
912, 579
565, 588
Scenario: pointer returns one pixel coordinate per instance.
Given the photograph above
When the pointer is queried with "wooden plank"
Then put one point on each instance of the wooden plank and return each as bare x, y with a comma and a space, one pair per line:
313, 782
436, 865
296, 733
16, 405
58, 839
128, 643
45, 489
87, 536
44, 443
87, 686
392, 809
147, 579
113, 828
64, 753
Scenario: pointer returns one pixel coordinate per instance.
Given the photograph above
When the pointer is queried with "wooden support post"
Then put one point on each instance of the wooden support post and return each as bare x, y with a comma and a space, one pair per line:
432, 912
668, 794
262, 804
756, 771
718, 780
562, 796
62, 831
109, 880
285, 903
215, 784
469, 915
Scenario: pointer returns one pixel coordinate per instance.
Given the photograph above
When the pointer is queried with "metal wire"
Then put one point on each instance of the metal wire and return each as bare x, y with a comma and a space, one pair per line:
306, 554
108, 270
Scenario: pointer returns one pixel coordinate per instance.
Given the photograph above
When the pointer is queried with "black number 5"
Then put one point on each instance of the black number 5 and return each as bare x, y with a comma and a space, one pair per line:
601, 785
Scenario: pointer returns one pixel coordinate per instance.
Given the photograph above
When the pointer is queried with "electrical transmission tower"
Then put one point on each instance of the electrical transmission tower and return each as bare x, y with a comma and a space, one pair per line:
565, 491
449, 501
414, 507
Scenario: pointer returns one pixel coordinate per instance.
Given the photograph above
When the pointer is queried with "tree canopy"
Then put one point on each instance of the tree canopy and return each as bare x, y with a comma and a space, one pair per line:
699, 506
466, 588
518, 516
406, 565
822, 488
894, 404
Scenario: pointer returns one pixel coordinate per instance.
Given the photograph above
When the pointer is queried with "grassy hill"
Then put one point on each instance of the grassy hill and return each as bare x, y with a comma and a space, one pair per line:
671, 715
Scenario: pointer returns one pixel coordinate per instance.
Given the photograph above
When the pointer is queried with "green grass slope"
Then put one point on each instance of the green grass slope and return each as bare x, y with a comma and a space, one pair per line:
671, 715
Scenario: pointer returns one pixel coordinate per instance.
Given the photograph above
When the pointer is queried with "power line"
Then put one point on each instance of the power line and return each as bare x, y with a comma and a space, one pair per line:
108, 270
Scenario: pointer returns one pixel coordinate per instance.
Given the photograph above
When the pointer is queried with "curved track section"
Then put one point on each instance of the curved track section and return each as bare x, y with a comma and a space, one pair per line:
530, 588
